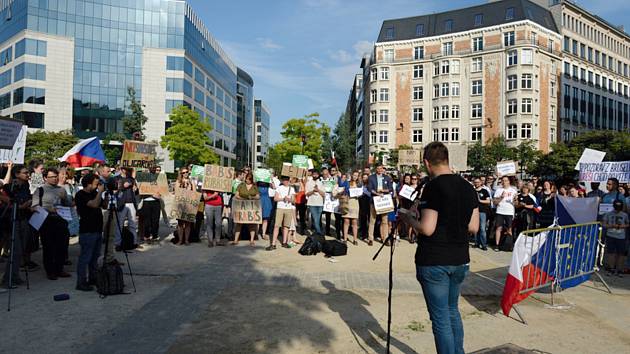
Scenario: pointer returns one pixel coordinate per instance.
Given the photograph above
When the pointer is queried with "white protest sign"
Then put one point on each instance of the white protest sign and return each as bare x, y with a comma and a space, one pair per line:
383, 204
16, 154
38, 218
64, 212
408, 192
506, 168
330, 204
601, 172
590, 156
356, 192
605, 208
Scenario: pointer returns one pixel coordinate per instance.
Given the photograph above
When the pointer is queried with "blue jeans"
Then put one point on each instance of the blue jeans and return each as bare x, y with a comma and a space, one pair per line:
480, 238
316, 217
440, 286
90, 249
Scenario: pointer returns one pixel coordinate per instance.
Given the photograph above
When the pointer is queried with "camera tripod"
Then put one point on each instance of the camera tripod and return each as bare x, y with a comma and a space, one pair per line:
113, 214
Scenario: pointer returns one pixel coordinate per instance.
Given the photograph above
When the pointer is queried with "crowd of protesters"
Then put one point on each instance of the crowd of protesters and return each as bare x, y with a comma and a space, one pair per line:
289, 206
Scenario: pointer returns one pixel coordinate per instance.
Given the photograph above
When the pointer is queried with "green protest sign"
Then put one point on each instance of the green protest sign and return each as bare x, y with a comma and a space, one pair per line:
197, 172
262, 175
300, 161
329, 186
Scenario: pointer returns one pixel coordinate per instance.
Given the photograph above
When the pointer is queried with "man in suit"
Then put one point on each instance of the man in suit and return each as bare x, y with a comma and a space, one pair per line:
378, 184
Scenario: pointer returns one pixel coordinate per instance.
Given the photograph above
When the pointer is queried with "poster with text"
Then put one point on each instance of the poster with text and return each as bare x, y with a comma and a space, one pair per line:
601, 172
138, 154
218, 178
186, 204
15, 154
246, 211
152, 183
409, 157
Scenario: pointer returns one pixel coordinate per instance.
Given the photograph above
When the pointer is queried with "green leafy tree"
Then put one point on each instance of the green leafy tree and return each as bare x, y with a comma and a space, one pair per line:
187, 139
275, 158
527, 155
344, 143
316, 141
392, 161
48, 146
113, 152
559, 163
483, 158
133, 123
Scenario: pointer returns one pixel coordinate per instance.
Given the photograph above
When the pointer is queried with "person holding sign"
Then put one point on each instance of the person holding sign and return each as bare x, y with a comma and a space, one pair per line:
379, 184
214, 211
285, 213
329, 183
152, 206
247, 190
266, 206
351, 214
183, 226
315, 200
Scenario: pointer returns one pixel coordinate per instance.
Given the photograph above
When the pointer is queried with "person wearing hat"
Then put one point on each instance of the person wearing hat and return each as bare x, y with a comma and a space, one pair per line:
616, 222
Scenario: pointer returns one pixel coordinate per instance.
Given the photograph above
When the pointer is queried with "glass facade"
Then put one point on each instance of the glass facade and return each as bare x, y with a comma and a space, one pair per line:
245, 106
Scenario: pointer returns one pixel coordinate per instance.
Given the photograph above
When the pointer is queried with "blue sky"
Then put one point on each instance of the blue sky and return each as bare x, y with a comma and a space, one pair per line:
303, 54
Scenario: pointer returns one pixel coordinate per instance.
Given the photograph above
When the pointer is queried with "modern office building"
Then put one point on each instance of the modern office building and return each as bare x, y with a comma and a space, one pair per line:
67, 64
244, 118
261, 126
354, 110
464, 76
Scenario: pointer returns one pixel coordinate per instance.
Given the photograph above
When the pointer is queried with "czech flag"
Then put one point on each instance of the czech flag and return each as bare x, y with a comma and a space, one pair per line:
85, 153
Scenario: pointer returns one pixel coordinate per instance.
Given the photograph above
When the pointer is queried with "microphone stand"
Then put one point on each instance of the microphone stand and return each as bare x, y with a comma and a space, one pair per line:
392, 241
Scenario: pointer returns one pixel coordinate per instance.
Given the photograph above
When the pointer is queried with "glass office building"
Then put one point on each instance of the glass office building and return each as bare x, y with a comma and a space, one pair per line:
261, 124
67, 64
244, 118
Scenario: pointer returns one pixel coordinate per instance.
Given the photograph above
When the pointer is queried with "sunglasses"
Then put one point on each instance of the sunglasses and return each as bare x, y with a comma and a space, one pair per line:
52, 176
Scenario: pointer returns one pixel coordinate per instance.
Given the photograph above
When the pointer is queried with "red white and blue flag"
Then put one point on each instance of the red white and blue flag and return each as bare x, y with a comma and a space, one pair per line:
554, 255
85, 153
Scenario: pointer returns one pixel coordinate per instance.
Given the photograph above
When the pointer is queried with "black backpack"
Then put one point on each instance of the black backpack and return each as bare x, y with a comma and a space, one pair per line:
311, 247
507, 243
109, 280
334, 248
126, 240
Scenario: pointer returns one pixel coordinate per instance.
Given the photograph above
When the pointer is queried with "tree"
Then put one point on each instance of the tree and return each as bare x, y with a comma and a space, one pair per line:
527, 155
48, 146
344, 143
316, 144
187, 139
392, 161
483, 158
133, 123
113, 153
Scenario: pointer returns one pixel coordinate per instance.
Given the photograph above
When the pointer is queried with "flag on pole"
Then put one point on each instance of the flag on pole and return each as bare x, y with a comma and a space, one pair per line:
85, 153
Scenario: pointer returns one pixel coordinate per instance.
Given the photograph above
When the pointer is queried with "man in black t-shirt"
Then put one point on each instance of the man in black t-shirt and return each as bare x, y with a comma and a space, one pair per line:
88, 201
484, 210
449, 213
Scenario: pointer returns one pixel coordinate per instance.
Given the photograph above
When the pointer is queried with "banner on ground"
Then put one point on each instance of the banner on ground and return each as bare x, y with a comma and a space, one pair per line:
9, 131
289, 170
506, 168
15, 153
300, 161
197, 172
246, 211
152, 183
186, 204
590, 156
138, 154
218, 178
262, 175
601, 172
409, 157
383, 204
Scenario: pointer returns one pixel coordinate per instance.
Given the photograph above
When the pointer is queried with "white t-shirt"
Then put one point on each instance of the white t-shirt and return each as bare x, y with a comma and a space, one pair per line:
276, 182
282, 192
506, 206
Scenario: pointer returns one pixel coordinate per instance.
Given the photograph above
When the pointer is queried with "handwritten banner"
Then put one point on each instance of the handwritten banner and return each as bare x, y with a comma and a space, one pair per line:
383, 204
16, 153
409, 157
246, 211
601, 172
138, 154
9, 131
152, 183
506, 168
289, 170
300, 161
218, 178
186, 204
262, 175
408, 192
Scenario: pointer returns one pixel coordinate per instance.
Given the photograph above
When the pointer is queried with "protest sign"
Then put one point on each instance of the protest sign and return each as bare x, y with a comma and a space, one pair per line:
197, 172
506, 168
152, 183
329, 186
64, 212
356, 192
601, 172
262, 175
246, 211
310, 165
383, 204
458, 157
408, 192
16, 152
590, 156
409, 157
186, 204
289, 170
9, 131
38, 217
300, 161
330, 205
138, 154
218, 178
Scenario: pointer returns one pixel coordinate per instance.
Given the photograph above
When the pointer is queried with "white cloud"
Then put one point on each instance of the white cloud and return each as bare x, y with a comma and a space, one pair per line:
268, 43
362, 47
341, 56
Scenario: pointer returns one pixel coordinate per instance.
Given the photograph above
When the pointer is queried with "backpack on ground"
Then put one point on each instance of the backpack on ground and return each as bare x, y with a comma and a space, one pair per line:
334, 248
507, 243
311, 246
109, 280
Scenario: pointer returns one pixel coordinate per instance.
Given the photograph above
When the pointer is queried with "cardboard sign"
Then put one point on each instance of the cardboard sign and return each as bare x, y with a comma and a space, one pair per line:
300, 161
138, 154
185, 205
408, 192
329, 186
16, 153
246, 211
458, 157
197, 172
356, 192
262, 175
601, 172
384, 204
289, 170
409, 157
218, 178
152, 183
330, 205
590, 156
506, 168
9, 131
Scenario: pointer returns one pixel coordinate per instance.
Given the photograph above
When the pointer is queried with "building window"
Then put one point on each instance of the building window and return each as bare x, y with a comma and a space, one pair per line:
174, 85
436, 135
526, 81
418, 53
534, 38
170, 104
455, 89
476, 110
373, 96
444, 112
477, 44
454, 134
512, 57
455, 67
418, 92
509, 14
374, 72
512, 82
416, 136
436, 113
188, 68
478, 20
436, 91
527, 56
445, 89
526, 131
511, 131
388, 55
508, 39
372, 117
200, 78
447, 48
455, 111
385, 73
5, 78
448, 25
372, 137
187, 88
526, 106
30, 47
477, 87
436, 69
552, 134
384, 96
382, 137
420, 29
389, 33
445, 67
512, 106
477, 64
417, 115
418, 71
6, 56
475, 133
444, 134
29, 71
175, 63
29, 95
5, 101
383, 116
31, 119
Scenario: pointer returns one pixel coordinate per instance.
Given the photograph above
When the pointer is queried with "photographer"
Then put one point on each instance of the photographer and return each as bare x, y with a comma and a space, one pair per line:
449, 213
89, 201
127, 205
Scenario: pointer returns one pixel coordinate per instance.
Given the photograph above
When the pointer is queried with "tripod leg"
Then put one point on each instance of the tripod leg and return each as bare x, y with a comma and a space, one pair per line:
125, 252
